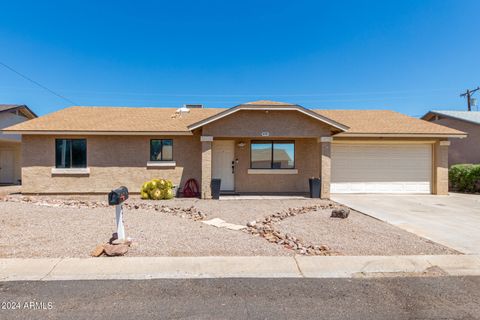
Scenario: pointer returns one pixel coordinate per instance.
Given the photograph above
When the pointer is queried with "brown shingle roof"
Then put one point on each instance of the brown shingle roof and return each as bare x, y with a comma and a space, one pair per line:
124, 119
115, 119
384, 122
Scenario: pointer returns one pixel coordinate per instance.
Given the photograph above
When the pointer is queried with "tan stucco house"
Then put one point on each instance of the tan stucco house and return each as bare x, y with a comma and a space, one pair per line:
461, 150
10, 144
256, 147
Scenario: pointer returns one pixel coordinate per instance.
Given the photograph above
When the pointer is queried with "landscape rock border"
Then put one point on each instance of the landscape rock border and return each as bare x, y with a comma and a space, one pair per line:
266, 230
188, 212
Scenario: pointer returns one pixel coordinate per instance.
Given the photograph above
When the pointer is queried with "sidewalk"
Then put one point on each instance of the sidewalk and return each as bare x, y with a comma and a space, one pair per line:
234, 267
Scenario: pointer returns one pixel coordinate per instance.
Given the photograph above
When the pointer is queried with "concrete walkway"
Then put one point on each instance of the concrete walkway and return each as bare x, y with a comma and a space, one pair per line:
9, 189
453, 220
234, 267
262, 197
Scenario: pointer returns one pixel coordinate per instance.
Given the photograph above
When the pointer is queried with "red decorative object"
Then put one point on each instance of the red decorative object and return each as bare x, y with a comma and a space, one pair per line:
190, 189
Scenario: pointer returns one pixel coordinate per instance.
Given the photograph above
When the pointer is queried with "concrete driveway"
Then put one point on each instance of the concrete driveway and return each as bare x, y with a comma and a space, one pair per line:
453, 220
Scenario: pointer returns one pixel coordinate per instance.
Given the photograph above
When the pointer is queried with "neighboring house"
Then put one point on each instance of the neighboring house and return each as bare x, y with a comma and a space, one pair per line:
10, 145
95, 149
461, 150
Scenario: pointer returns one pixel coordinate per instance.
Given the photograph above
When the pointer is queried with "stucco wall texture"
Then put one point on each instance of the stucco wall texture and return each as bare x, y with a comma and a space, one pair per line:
113, 161
278, 124
440, 166
466, 150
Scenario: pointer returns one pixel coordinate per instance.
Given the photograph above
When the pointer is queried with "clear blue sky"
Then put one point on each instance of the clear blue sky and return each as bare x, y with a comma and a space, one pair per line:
409, 56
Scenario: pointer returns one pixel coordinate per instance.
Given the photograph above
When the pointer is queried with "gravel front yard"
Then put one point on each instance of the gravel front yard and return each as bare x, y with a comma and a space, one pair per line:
38, 231
49, 230
358, 235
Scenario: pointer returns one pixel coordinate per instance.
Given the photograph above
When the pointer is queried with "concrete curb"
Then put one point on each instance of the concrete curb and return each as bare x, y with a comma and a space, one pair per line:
232, 267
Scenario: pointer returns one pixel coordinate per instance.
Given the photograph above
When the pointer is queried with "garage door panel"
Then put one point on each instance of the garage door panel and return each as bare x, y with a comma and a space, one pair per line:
363, 168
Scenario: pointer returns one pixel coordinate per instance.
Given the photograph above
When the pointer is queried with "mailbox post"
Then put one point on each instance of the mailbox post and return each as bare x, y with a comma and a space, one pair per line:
119, 222
116, 198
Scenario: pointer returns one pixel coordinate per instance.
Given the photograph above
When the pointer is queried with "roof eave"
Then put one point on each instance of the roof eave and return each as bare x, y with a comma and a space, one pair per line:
30, 114
433, 113
103, 133
29, 111
402, 135
426, 116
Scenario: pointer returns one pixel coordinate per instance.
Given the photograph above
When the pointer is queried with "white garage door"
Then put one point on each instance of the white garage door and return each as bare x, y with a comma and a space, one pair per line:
378, 168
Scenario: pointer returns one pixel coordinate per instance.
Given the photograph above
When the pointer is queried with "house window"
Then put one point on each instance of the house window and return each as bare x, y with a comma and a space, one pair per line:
70, 153
272, 155
161, 150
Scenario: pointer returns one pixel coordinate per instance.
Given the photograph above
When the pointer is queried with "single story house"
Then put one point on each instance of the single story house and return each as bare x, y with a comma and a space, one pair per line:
255, 147
10, 145
461, 150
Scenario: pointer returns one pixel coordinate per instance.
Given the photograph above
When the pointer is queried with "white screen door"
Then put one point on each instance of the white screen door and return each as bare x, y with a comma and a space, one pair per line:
223, 156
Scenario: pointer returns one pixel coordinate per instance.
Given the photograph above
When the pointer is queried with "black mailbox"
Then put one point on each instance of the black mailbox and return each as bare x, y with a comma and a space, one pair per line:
117, 196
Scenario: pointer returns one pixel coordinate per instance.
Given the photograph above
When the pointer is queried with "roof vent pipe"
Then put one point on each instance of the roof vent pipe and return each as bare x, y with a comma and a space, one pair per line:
183, 109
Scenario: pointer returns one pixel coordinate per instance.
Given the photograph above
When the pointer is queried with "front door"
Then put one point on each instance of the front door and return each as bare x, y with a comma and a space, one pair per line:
7, 166
223, 163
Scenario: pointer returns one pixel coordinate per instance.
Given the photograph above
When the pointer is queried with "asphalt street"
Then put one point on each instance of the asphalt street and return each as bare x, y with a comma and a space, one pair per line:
373, 298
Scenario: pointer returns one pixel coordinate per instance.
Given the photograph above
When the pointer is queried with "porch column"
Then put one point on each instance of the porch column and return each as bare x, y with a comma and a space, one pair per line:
206, 191
440, 155
325, 166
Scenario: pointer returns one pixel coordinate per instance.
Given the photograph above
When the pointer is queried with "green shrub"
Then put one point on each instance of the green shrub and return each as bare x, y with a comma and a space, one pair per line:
465, 177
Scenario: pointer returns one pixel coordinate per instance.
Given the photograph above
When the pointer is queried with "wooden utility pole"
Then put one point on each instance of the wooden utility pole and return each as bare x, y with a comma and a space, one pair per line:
469, 94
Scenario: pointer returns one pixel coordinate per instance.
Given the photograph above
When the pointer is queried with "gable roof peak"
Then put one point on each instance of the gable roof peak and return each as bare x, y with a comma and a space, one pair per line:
469, 116
268, 105
19, 107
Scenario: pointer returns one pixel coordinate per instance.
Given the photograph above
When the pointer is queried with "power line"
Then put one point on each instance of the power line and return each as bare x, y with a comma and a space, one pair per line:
38, 84
253, 95
468, 95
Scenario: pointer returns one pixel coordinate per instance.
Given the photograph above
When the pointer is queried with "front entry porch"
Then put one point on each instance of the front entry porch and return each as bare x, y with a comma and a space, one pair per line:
265, 167
276, 149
